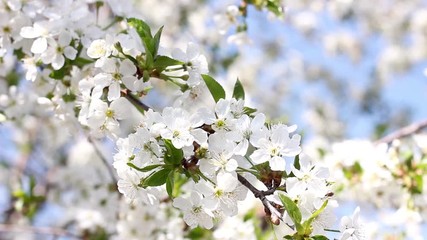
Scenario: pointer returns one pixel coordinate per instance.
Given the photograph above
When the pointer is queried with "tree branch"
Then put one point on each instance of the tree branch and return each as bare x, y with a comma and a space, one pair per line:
135, 101
37, 230
403, 132
103, 159
268, 205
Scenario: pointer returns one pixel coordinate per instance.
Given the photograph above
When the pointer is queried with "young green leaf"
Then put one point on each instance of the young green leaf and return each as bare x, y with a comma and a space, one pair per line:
249, 111
156, 41
293, 211
170, 183
319, 237
141, 27
58, 74
238, 92
162, 62
307, 223
149, 60
214, 87
144, 169
275, 7
81, 62
157, 179
173, 156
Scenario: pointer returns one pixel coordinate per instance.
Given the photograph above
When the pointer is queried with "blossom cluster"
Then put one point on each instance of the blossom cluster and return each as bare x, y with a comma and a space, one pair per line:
203, 160
385, 175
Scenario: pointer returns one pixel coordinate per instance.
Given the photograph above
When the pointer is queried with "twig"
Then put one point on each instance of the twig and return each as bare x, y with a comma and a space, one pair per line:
37, 230
262, 196
104, 160
403, 132
135, 101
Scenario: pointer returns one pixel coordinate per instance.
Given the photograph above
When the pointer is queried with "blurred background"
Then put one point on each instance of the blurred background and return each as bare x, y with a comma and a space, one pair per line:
339, 69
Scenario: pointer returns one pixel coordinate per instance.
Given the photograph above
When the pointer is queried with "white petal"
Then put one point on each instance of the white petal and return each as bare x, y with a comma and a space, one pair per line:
102, 79
39, 45
181, 203
231, 165
258, 122
227, 182
114, 91
277, 164
192, 51
64, 39
120, 108
97, 49
179, 54
70, 52
127, 67
130, 82
29, 32
241, 148
259, 156
222, 108
195, 198
58, 61
109, 65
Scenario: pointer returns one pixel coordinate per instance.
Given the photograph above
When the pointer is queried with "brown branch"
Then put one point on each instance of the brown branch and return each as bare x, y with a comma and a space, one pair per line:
134, 100
269, 207
103, 159
403, 132
37, 230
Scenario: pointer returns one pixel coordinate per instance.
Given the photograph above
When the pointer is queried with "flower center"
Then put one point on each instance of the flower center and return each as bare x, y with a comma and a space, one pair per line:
59, 49
117, 76
109, 113
176, 133
274, 151
197, 209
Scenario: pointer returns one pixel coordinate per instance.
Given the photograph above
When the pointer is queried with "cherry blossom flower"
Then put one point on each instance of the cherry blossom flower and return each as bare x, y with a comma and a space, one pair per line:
220, 197
115, 73
40, 31
195, 62
228, 19
275, 146
195, 213
221, 152
56, 51
180, 128
351, 227
128, 186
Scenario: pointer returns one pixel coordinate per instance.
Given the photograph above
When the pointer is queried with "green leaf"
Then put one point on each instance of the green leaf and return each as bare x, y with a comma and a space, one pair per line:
81, 62
319, 237
307, 224
141, 27
354, 170
173, 155
12, 78
199, 233
249, 111
214, 87
417, 188
238, 92
293, 211
144, 169
275, 7
19, 53
162, 62
170, 183
58, 74
156, 40
69, 97
149, 60
157, 178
